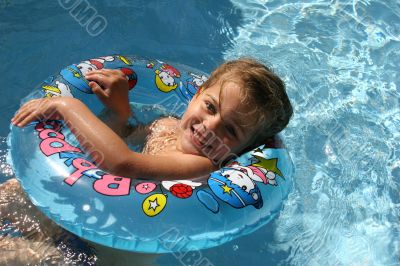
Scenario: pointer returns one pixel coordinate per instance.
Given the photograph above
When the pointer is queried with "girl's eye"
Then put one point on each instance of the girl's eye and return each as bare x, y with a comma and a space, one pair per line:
210, 107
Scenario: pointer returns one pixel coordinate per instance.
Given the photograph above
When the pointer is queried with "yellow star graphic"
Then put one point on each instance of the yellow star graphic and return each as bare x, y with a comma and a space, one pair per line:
226, 189
269, 164
153, 204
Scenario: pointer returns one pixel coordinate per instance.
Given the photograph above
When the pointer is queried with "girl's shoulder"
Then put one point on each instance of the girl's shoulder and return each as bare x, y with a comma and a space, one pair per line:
165, 123
162, 136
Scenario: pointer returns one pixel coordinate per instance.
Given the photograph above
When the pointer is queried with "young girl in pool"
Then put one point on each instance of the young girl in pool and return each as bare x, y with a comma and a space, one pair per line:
238, 107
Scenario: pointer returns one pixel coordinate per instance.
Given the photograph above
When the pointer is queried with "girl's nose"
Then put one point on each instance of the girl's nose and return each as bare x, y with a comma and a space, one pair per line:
213, 123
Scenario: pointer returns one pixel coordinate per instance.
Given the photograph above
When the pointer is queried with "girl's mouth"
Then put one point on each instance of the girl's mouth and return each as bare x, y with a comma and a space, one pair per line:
199, 140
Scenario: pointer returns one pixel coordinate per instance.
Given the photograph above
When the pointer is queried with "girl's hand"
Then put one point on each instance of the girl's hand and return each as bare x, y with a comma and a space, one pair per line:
37, 109
111, 87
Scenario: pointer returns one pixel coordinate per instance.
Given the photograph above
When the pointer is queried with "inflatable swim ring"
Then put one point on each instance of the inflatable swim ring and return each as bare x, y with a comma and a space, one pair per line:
143, 215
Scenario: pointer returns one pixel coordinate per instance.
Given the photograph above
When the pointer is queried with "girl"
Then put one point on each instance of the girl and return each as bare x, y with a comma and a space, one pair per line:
241, 105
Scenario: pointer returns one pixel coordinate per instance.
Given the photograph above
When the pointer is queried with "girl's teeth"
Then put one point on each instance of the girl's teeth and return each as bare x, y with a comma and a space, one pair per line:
198, 136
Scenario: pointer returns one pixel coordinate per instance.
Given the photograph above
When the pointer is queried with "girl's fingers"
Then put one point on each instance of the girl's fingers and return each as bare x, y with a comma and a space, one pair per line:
98, 90
105, 72
117, 72
25, 105
21, 117
28, 109
22, 111
94, 71
100, 79
31, 117
90, 75
35, 103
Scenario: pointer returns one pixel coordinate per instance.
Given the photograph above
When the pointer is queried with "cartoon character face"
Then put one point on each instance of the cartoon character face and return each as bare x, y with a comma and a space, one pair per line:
235, 188
240, 179
86, 67
257, 173
198, 81
165, 81
166, 78
94, 64
75, 74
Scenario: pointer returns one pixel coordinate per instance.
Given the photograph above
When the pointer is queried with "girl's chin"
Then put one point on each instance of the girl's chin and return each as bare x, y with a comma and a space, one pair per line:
189, 148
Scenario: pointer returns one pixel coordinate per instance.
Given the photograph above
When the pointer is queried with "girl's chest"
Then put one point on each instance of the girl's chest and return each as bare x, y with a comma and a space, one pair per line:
162, 137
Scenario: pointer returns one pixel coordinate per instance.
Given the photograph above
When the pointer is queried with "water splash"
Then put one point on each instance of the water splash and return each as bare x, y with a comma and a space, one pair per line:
5, 169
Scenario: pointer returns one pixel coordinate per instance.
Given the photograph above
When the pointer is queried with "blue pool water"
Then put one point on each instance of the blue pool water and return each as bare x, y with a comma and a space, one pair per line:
340, 61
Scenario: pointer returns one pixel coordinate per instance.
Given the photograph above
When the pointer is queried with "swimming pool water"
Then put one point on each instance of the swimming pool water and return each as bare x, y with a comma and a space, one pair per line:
340, 60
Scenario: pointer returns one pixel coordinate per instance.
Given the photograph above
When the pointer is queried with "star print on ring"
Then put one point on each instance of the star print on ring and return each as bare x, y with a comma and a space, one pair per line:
154, 204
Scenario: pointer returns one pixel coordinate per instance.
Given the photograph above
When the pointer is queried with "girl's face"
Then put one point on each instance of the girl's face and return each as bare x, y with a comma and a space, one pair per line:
213, 124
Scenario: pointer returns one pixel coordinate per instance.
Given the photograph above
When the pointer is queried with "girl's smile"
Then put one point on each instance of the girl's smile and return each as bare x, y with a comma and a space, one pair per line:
215, 119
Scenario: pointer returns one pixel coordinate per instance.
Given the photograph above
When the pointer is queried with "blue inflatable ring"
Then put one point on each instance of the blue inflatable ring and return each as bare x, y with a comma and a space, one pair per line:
143, 215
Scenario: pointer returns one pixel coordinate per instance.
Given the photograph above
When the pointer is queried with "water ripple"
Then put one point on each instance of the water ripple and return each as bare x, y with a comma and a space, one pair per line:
340, 61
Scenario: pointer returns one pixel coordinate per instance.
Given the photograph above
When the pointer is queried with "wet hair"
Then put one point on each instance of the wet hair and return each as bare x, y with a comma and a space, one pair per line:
261, 89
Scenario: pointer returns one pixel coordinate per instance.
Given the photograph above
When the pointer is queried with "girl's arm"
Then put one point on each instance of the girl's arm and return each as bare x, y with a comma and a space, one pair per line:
114, 155
113, 121
112, 87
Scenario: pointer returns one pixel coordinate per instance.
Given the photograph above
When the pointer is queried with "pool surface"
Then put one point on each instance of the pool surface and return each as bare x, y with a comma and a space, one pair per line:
340, 61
